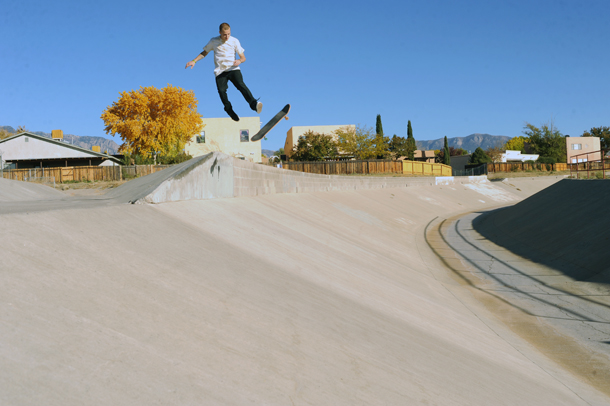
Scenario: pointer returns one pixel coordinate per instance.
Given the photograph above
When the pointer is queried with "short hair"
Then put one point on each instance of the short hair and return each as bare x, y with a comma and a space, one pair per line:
224, 26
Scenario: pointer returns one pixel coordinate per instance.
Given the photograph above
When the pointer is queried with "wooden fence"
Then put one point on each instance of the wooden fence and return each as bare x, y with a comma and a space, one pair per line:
426, 168
345, 167
522, 166
82, 173
370, 167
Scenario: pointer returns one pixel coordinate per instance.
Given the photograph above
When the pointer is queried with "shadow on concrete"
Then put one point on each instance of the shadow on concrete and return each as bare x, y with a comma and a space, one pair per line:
565, 227
438, 233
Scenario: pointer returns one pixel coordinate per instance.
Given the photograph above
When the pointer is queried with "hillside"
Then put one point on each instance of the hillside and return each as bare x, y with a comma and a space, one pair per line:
83, 141
469, 143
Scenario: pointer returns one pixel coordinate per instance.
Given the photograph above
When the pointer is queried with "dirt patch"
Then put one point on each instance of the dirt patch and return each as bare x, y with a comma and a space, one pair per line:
89, 188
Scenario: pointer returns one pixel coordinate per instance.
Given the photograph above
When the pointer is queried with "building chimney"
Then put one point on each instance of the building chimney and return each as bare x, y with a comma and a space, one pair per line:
96, 148
57, 135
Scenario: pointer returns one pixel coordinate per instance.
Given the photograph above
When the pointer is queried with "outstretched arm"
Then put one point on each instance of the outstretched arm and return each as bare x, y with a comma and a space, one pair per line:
198, 58
242, 59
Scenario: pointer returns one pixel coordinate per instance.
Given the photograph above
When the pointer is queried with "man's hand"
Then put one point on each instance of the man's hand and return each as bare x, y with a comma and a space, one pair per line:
191, 64
242, 59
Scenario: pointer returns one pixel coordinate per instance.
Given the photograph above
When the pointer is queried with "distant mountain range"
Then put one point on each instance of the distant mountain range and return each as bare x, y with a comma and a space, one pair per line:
469, 143
83, 141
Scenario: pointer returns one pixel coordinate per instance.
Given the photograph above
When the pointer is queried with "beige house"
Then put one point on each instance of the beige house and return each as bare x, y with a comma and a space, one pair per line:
424, 155
228, 136
292, 136
583, 149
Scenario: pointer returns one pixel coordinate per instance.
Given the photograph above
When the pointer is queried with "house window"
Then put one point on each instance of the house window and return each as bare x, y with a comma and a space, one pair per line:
576, 146
201, 138
26, 139
244, 135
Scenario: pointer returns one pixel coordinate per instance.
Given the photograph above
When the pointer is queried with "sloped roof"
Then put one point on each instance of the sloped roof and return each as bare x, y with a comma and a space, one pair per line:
62, 144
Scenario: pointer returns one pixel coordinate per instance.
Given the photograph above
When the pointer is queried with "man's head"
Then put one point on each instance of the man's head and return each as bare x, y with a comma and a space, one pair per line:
225, 32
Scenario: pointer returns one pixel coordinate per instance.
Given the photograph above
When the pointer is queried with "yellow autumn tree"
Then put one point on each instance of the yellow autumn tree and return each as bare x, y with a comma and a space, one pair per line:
516, 143
151, 120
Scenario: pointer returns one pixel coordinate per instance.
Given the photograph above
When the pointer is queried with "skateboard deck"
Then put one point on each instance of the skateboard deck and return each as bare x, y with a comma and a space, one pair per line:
272, 123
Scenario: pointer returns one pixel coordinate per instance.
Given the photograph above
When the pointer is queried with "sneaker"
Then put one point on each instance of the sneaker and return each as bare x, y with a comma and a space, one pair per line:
259, 107
232, 114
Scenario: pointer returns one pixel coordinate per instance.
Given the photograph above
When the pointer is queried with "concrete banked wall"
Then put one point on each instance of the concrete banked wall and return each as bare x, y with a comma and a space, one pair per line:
218, 175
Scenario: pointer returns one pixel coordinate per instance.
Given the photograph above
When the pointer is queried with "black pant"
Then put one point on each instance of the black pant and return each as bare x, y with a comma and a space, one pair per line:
237, 79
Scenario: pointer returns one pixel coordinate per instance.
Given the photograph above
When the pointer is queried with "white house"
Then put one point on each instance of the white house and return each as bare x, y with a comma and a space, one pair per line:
512, 156
27, 150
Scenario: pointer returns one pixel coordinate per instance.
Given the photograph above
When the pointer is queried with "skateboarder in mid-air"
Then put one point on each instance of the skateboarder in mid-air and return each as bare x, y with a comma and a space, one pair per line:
227, 68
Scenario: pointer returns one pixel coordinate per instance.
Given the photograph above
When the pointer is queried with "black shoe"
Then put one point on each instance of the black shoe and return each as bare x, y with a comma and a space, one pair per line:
232, 114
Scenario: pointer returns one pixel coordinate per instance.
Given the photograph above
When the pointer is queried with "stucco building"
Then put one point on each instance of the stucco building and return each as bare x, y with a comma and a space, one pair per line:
293, 134
228, 136
583, 149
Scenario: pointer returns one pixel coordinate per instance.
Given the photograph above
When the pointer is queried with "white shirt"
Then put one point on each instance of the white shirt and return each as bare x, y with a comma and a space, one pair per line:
224, 53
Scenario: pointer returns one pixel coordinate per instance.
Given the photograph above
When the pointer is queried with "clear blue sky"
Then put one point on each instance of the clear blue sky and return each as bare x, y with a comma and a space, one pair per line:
451, 67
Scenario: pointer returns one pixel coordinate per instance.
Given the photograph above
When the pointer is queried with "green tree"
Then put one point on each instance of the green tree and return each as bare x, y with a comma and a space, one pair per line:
313, 146
358, 142
411, 144
398, 146
446, 153
381, 143
378, 126
603, 133
479, 157
546, 141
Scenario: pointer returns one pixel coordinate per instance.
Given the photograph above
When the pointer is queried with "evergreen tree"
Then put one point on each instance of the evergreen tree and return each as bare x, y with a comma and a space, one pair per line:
412, 145
378, 126
446, 154
479, 157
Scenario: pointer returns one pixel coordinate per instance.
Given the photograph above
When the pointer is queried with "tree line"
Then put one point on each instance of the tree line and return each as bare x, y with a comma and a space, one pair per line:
363, 143
358, 142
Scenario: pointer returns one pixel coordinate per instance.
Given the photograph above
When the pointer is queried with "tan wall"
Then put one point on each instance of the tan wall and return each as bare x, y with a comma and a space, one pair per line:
292, 136
587, 144
223, 135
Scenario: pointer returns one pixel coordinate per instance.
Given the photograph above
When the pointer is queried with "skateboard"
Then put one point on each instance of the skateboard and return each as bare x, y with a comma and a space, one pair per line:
272, 123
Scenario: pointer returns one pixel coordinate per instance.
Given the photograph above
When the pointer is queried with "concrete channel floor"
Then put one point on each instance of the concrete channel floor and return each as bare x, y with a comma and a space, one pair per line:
326, 298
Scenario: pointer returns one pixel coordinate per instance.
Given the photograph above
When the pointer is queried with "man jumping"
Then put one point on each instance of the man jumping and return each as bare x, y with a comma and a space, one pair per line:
227, 68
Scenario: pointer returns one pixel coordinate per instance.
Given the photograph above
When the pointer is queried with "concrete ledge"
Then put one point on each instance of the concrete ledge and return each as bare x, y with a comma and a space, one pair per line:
218, 175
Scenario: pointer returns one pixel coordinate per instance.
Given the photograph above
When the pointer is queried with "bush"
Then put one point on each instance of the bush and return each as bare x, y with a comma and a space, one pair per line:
547, 160
479, 157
